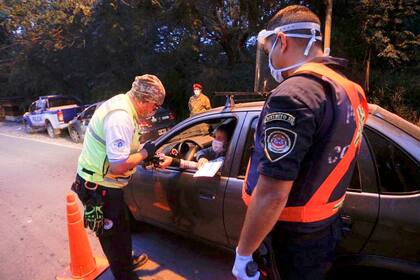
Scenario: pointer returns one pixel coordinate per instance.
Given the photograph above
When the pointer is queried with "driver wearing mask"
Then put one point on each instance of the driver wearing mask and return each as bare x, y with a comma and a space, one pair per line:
216, 152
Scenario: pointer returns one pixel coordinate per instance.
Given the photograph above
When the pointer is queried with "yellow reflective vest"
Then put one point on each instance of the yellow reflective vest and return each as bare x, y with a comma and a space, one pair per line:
93, 162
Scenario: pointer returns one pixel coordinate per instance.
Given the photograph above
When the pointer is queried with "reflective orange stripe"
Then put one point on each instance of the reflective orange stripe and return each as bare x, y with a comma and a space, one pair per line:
308, 214
318, 208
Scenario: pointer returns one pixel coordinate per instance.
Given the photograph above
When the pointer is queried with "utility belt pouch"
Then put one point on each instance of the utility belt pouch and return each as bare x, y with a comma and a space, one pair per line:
264, 257
88, 192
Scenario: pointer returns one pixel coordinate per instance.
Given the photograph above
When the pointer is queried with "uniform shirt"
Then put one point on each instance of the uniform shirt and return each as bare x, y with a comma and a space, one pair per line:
198, 104
118, 135
297, 140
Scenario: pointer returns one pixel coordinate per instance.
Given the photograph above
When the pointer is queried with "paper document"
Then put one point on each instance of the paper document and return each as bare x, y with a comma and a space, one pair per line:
209, 169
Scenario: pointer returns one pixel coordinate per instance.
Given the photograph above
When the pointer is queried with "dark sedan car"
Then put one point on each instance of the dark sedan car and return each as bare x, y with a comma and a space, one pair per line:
152, 128
381, 211
78, 125
157, 125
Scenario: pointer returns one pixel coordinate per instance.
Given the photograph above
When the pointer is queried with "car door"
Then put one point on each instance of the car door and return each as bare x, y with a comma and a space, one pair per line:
233, 206
173, 198
397, 160
36, 115
360, 211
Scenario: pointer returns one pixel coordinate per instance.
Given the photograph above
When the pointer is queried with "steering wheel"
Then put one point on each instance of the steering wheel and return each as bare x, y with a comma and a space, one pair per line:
187, 149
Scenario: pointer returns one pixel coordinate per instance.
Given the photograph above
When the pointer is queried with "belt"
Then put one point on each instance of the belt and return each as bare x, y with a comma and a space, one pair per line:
123, 179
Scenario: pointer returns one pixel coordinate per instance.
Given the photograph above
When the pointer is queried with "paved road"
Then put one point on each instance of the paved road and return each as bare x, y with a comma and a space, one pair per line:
35, 175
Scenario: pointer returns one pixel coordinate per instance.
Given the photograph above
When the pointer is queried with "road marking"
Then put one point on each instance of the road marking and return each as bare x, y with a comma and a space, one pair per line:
41, 141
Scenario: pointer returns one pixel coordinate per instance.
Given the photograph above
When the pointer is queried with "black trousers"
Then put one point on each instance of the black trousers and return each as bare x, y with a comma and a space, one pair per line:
116, 237
305, 256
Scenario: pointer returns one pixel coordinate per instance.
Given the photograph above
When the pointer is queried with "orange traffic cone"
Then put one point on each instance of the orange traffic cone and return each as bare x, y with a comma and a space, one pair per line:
82, 263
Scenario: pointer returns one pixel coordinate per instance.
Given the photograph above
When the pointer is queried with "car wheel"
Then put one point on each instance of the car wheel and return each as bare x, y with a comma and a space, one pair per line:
74, 135
28, 128
53, 133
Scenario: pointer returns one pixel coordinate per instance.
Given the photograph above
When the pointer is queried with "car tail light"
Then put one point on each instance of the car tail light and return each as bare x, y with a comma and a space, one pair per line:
145, 124
60, 116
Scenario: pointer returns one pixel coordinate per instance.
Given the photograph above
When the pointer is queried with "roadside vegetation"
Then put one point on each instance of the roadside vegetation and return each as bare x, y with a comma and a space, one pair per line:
93, 49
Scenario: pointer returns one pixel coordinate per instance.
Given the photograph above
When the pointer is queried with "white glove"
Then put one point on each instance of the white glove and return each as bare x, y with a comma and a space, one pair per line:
239, 268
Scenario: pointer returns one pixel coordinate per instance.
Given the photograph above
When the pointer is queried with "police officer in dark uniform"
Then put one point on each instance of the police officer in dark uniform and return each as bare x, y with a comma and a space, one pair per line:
293, 189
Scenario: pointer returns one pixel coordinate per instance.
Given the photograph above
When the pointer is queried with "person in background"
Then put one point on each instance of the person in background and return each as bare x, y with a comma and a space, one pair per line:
198, 102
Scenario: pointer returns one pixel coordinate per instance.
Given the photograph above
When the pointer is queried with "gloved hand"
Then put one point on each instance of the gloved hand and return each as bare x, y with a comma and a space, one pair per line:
150, 148
239, 268
94, 218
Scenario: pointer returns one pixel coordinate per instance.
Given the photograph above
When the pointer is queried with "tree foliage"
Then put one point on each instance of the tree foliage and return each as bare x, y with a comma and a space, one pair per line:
94, 48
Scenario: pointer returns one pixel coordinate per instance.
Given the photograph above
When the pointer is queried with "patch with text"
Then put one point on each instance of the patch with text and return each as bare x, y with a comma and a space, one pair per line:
280, 116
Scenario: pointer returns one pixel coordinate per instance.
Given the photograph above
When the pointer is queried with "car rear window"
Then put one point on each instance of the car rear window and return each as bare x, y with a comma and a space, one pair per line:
62, 101
398, 172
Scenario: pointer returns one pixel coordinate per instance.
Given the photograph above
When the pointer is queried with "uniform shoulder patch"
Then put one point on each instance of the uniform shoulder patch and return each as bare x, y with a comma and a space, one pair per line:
119, 144
278, 143
280, 116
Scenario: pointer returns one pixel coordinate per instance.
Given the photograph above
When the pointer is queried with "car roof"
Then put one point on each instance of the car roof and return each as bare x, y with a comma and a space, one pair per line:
374, 110
395, 120
239, 107
51, 96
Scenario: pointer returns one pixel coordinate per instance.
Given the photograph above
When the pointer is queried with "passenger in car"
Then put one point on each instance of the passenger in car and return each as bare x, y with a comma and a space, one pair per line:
216, 152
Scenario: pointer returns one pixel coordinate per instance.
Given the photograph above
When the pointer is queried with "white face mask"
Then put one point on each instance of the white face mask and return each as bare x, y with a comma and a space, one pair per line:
197, 92
313, 27
217, 146
277, 72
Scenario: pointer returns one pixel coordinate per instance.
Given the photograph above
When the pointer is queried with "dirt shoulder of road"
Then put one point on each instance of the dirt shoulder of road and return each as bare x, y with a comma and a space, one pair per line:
15, 129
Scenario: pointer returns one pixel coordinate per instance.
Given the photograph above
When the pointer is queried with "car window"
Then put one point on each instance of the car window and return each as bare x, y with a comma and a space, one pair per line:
361, 170
200, 133
355, 179
397, 171
32, 107
40, 104
62, 101
249, 146
88, 113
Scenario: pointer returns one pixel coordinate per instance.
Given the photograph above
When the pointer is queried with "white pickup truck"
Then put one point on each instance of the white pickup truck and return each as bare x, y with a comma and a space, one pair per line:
52, 112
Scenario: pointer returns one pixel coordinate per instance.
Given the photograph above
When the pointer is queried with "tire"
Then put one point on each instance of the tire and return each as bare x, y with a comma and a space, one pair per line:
75, 135
53, 133
28, 128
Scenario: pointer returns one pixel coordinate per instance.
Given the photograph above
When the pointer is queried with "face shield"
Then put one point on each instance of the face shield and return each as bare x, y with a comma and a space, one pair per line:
264, 81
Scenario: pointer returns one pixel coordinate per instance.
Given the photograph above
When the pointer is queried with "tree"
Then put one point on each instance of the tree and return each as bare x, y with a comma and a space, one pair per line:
94, 48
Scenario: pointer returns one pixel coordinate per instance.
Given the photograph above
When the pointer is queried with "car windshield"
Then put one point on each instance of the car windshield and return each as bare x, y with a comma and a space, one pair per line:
62, 101
191, 132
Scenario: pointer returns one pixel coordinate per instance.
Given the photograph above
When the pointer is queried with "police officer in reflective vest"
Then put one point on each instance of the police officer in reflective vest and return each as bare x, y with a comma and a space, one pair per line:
111, 151
293, 189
